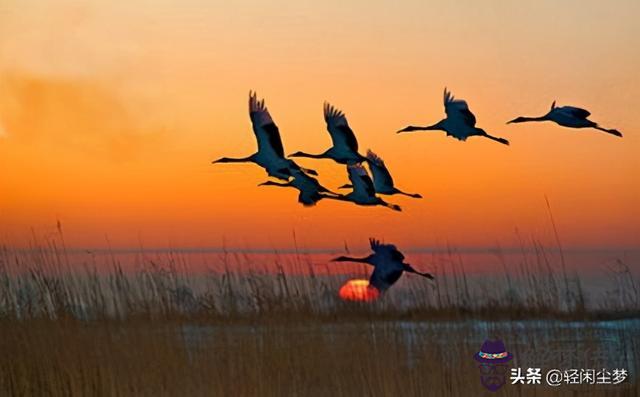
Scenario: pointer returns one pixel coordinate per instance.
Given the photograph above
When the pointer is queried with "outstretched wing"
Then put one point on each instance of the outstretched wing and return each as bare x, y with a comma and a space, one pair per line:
264, 128
389, 251
384, 277
374, 243
308, 199
576, 112
381, 177
305, 182
338, 127
396, 255
362, 183
458, 109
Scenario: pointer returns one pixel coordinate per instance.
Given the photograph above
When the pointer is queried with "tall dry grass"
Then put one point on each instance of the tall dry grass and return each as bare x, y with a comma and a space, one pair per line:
101, 329
346, 357
41, 282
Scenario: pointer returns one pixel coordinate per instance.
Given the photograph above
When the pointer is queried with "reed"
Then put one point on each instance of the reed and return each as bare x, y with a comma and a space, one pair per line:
159, 329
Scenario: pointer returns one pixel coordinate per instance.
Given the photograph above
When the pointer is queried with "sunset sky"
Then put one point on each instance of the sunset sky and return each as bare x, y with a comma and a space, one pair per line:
111, 112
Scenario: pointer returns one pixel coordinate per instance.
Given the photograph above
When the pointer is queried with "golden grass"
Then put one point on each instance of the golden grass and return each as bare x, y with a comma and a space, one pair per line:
68, 331
141, 358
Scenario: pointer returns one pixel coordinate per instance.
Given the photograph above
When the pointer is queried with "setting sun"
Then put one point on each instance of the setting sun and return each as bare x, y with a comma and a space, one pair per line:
358, 290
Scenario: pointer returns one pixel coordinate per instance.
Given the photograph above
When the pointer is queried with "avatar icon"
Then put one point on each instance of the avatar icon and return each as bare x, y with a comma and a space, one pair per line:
493, 360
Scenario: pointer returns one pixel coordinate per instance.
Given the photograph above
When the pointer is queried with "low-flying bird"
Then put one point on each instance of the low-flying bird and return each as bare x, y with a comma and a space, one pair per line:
460, 122
270, 154
311, 191
345, 144
382, 180
567, 116
364, 192
388, 265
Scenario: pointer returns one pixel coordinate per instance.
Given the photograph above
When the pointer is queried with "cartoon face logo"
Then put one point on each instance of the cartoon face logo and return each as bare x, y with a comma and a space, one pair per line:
493, 360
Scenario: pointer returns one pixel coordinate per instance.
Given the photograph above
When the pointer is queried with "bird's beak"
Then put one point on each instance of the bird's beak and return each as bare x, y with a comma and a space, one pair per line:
512, 121
406, 129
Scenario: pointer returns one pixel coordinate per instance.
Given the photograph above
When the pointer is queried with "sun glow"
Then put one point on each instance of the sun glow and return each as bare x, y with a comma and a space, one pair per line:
111, 135
358, 290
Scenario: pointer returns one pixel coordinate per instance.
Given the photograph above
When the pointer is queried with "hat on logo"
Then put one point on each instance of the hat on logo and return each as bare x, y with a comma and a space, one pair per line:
493, 352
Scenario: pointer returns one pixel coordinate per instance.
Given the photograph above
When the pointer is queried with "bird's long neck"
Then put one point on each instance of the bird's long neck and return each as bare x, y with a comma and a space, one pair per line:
414, 195
351, 259
234, 160
525, 119
437, 126
309, 155
272, 183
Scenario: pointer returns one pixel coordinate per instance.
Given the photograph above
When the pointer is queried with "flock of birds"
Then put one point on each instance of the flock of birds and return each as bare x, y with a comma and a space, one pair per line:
387, 260
459, 123
271, 157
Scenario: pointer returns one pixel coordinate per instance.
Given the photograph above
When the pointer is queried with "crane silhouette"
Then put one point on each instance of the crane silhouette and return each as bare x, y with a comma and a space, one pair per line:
567, 116
460, 123
345, 145
363, 193
311, 191
382, 180
270, 154
388, 265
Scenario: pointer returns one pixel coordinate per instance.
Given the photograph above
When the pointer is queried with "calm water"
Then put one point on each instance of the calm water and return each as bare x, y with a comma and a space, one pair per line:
534, 343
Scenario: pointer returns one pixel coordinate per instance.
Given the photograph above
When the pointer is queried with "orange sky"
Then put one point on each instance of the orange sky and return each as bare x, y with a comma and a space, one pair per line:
111, 114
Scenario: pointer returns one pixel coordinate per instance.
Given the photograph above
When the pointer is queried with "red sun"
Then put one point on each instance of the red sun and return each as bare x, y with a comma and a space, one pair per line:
358, 290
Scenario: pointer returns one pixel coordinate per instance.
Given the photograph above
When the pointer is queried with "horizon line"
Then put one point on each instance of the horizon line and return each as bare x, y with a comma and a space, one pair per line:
293, 250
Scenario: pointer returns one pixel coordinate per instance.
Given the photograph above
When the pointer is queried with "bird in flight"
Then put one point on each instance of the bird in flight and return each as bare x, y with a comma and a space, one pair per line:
270, 154
460, 123
388, 265
364, 192
382, 180
311, 191
568, 116
345, 145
